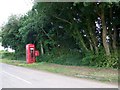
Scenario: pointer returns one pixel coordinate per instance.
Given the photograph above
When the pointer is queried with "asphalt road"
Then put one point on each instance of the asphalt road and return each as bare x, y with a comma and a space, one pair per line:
19, 77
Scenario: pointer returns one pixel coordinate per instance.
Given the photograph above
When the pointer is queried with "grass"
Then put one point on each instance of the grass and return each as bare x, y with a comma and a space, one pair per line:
101, 74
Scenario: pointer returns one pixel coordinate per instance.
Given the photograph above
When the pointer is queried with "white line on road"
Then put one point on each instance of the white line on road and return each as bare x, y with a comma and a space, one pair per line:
17, 77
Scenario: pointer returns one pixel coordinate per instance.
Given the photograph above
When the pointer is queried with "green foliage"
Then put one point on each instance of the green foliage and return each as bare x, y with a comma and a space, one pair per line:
63, 57
63, 27
12, 55
8, 55
101, 60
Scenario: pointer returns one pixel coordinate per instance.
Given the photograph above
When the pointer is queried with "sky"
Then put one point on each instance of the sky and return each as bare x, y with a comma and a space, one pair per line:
13, 7
9, 7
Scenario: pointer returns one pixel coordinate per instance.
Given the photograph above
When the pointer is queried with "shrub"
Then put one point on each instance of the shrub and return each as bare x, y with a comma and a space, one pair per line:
63, 57
101, 60
12, 55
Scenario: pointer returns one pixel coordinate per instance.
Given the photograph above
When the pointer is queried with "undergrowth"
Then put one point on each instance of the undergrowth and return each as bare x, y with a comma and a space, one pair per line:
74, 58
65, 57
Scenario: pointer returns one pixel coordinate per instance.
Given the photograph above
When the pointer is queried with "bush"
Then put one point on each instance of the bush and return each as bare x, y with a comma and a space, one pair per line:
8, 55
12, 55
66, 57
63, 57
101, 60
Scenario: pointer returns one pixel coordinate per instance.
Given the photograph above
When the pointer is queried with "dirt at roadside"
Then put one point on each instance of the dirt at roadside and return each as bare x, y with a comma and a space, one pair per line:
87, 69
101, 74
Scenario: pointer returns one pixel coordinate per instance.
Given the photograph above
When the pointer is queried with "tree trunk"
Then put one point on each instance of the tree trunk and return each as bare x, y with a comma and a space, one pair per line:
114, 38
110, 28
91, 46
42, 50
91, 33
76, 34
82, 42
104, 33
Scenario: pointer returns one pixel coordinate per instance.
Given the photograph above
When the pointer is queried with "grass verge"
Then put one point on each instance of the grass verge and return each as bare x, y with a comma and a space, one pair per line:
101, 74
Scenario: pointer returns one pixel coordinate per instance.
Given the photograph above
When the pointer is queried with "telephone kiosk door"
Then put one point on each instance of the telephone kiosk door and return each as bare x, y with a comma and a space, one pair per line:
30, 53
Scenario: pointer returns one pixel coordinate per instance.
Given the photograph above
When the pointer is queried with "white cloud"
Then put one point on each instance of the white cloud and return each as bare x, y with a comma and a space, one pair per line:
8, 7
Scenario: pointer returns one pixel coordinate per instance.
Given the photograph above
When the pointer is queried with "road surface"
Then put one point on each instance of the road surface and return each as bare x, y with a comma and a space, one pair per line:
19, 77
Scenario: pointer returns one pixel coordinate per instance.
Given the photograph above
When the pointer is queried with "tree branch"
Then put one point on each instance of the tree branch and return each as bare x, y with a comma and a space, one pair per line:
46, 33
64, 20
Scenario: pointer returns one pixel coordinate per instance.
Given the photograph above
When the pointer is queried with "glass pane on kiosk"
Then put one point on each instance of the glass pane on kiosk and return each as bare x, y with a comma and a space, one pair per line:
32, 52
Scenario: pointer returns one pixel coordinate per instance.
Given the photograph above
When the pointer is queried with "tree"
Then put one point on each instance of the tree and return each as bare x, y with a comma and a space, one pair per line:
86, 27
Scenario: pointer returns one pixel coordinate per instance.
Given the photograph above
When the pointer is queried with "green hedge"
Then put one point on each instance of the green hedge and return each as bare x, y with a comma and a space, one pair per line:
101, 60
11, 56
75, 58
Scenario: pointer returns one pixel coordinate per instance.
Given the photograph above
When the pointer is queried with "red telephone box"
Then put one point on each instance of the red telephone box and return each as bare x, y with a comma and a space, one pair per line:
31, 53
